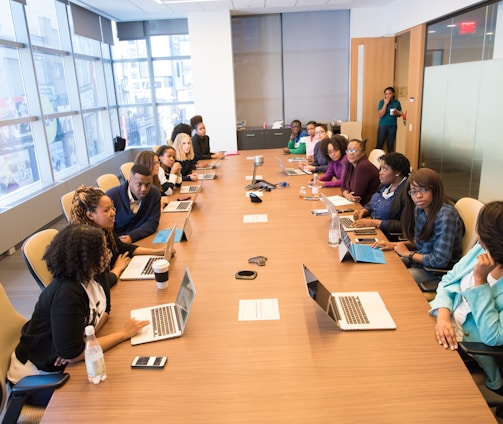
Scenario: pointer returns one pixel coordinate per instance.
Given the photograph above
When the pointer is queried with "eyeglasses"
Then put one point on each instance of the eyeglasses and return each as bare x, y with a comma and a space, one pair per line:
352, 151
319, 132
421, 190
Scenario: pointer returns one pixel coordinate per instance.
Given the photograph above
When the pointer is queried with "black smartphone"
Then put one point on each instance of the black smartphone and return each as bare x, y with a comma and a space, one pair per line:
366, 239
365, 232
149, 362
345, 210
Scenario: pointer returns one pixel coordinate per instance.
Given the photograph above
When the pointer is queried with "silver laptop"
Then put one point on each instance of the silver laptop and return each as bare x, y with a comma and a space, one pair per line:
179, 206
187, 189
291, 171
184, 233
207, 176
169, 320
345, 220
206, 165
359, 252
350, 310
140, 266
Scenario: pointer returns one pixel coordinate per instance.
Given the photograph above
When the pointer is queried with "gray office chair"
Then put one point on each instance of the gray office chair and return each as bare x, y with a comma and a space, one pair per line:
15, 409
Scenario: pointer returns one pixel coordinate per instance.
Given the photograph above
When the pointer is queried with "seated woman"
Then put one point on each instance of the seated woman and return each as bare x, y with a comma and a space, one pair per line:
54, 336
385, 207
334, 149
151, 161
361, 178
469, 300
93, 207
201, 144
431, 225
170, 171
185, 156
318, 162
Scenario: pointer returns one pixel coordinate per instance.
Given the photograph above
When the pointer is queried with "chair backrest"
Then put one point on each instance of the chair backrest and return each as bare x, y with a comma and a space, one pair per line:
374, 156
10, 331
107, 181
353, 129
126, 169
155, 148
66, 204
468, 209
32, 250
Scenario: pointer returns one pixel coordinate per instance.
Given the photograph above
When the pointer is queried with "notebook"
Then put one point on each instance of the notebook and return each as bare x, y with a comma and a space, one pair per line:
291, 171
345, 220
359, 252
169, 320
186, 189
350, 310
179, 206
140, 266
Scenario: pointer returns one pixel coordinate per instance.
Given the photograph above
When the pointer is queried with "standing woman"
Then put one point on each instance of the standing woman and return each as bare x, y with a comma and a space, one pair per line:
334, 150
389, 109
385, 207
185, 156
170, 171
431, 225
54, 336
361, 178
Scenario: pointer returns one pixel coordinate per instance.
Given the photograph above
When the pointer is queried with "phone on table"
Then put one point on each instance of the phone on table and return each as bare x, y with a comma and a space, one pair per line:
345, 210
149, 362
365, 232
366, 239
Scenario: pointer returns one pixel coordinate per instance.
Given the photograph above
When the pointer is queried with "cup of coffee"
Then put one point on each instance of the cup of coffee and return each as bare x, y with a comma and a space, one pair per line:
161, 272
392, 112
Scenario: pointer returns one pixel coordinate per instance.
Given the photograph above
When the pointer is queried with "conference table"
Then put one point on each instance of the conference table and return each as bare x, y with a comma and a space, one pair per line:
295, 369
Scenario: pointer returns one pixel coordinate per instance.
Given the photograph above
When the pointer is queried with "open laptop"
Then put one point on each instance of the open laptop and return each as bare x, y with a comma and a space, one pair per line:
179, 206
188, 189
350, 310
207, 176
359, 252
206, 165
345, 220
140, 266
291, 171
169, 320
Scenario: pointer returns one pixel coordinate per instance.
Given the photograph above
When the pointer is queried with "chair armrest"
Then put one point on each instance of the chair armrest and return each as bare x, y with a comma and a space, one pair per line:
478, 348
35, 383
429, 286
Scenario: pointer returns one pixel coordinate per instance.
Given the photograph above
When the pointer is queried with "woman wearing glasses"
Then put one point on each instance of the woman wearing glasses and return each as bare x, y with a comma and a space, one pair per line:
92, 206
432, 226
361, 179
334, 150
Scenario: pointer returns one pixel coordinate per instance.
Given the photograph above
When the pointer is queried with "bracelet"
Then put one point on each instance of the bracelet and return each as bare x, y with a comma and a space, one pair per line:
411, 261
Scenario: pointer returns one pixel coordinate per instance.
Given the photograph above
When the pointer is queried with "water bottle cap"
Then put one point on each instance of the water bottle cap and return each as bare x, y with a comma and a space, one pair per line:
89, 330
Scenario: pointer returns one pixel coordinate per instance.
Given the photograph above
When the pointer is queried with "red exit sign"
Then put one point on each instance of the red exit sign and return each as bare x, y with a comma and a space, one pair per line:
467, 27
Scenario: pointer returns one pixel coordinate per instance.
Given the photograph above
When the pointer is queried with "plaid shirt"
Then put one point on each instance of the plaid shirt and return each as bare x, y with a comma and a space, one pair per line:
443, 249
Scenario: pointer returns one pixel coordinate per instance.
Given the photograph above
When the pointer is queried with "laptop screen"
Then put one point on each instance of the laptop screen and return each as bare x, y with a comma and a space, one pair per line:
319, 293
185, 298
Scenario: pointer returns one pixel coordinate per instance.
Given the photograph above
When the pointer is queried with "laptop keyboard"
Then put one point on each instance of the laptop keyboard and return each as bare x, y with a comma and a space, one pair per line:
162, 321
193, 189
345, 221
183, 205
365, 253
147, 269
353, 310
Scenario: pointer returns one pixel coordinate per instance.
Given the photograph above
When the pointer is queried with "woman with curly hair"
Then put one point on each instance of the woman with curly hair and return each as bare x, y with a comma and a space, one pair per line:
54, 336
91, 206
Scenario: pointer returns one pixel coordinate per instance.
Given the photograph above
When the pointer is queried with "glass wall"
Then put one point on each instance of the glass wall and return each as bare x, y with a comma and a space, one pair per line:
65, 95
461, 100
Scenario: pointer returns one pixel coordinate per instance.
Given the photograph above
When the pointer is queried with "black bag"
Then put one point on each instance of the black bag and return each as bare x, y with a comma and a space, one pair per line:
119, 144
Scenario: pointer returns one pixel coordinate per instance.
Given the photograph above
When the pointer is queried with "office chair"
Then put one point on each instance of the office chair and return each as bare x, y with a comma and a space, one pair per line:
374, 156
126, 169
66, 204
353, 129
468, 210
32, 251
15, 409
107, 181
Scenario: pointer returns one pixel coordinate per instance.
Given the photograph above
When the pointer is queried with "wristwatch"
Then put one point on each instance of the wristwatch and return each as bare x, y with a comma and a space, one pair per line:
411, 262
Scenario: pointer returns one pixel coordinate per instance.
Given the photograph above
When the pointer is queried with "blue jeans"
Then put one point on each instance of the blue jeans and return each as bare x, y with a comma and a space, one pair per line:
386, 134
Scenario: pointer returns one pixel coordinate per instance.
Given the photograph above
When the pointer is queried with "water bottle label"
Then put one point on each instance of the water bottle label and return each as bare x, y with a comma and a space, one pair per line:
333, 237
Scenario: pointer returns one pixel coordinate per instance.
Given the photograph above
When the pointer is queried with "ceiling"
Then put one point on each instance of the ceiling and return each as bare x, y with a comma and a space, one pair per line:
142, 10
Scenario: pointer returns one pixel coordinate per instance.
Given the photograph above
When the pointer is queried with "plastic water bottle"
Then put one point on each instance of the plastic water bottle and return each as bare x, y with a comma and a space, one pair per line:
315, 188
334, 231
95, 361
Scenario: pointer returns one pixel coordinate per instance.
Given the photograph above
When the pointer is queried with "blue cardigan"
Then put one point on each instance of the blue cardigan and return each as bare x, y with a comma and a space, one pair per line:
145, 222
485, 321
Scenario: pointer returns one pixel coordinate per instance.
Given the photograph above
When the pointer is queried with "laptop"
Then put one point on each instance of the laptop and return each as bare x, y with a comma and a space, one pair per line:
169, 320
206, 165
350, 310
291, 171
187, 189
140, 266
179, 206
345, 220
207, 176
359, 252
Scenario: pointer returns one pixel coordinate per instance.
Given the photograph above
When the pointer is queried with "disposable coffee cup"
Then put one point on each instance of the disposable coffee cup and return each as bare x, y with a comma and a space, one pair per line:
392, 112
161, 272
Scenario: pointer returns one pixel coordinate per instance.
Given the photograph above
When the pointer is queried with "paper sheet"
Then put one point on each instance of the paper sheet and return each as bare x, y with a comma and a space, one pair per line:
258, 309
249, 219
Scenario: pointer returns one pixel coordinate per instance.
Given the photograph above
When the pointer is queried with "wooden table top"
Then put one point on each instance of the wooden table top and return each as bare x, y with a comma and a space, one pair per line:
297, 369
